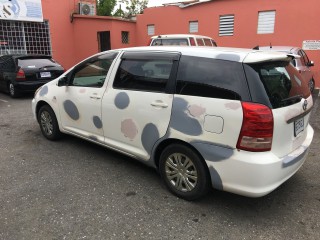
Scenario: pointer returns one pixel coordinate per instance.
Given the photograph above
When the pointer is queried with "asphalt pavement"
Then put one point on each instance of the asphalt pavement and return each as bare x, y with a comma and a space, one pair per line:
73, 189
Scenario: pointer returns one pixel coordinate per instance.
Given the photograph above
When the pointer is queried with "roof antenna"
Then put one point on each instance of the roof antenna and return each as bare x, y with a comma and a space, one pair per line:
256, 47
270, 45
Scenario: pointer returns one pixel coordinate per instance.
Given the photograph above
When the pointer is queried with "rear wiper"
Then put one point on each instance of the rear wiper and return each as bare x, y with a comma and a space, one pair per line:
294, 98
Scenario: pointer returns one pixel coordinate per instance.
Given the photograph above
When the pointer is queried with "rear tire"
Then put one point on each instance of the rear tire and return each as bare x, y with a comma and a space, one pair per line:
12, 90
48, 123
184, 172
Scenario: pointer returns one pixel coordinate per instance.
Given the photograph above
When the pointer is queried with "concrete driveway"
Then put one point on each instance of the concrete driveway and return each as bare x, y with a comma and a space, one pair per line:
72, 189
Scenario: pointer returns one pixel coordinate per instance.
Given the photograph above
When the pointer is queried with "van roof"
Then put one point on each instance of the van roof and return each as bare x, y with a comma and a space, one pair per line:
179, 36
222, 53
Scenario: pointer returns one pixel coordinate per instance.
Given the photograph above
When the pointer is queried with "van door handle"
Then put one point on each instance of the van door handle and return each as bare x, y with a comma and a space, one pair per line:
159, 103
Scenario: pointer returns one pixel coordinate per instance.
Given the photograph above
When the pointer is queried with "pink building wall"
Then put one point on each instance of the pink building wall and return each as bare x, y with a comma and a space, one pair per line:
58, 13
75, 40
75, 37
86, 38
294, 23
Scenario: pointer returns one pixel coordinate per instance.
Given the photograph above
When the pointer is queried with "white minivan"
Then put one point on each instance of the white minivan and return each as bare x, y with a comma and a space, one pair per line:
233, 119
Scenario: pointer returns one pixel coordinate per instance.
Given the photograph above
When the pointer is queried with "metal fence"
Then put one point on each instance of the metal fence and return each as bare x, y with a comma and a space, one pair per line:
25, 37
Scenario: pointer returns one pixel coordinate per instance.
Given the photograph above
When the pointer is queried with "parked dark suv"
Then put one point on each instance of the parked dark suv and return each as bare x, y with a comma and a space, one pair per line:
26, 73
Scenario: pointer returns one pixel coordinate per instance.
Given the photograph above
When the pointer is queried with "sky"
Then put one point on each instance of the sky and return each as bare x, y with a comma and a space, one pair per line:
153, 3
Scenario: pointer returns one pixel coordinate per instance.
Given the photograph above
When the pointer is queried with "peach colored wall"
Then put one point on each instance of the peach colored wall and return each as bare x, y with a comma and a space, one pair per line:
76, 40
294, 23
71, 42
86, 37
62, 32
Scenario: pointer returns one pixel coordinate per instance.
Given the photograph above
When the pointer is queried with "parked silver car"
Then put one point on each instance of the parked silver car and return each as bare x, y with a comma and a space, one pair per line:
302, 64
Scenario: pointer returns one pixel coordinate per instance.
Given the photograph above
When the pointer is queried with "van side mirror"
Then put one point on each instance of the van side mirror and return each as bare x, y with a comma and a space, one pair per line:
63, 81
310, 64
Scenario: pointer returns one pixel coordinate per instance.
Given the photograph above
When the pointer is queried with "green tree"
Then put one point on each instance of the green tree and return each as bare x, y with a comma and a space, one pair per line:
134, 7
105, 7
119, 12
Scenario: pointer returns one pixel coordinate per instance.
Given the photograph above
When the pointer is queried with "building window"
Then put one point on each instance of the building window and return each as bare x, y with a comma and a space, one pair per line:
193, 26
266, 20
125, 37
226, 26
25, 37
151, 30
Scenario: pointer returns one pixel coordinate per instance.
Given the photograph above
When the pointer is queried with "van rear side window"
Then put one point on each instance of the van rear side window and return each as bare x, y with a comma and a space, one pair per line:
206, 77
282, 82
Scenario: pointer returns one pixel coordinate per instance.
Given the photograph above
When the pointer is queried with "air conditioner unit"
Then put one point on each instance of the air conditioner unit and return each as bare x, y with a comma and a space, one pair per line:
87, 8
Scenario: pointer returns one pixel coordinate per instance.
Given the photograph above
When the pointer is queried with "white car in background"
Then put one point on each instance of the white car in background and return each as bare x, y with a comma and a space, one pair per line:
233, 119
182, 40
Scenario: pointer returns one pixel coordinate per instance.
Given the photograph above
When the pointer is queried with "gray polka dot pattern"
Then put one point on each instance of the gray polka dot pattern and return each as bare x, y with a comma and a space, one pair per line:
43, 91
97, 122
71, 109
182, 121
149, 136
122, 100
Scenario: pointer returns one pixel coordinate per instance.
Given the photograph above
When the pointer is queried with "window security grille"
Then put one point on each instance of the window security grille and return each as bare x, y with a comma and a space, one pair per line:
151, 30
193, 26
266, 21
25, 38
125, 37
226, 26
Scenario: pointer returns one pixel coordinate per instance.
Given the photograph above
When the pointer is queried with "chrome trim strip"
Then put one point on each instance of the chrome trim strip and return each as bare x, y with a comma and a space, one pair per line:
291, 120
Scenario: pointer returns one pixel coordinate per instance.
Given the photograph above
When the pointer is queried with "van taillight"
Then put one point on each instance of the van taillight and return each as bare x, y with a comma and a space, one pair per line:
192, 42
20, 75
257, 128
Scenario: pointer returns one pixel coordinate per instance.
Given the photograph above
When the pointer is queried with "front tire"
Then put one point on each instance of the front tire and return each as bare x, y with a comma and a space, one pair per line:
184, 172
48, 123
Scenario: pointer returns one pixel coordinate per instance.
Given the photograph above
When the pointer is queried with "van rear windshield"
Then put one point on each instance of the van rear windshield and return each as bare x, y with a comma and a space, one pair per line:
36, 63
283, 84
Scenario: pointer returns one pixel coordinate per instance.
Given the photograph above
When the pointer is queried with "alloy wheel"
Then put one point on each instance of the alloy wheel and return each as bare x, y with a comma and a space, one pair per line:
46, 123
12, 90
181, 172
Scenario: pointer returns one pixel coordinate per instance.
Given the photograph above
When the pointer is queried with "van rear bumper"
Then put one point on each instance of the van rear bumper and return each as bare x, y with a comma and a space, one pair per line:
254, 174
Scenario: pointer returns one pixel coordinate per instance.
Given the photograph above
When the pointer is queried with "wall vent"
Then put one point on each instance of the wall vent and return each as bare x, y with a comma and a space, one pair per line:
226, 26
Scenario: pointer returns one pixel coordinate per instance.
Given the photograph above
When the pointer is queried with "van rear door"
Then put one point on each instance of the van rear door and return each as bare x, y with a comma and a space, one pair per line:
288, 96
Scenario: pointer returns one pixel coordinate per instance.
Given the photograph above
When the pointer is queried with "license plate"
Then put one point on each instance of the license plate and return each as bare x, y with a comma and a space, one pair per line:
45, 74
298, 126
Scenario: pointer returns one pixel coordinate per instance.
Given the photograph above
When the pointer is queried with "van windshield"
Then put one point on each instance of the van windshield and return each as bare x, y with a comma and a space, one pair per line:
282, 82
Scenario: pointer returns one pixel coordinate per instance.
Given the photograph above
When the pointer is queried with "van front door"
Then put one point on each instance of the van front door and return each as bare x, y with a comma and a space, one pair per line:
80, 101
